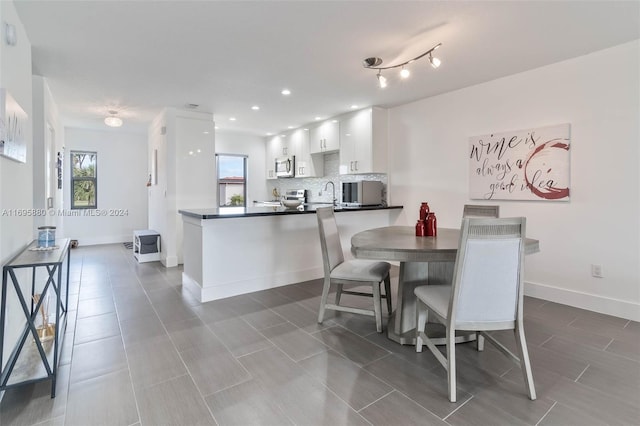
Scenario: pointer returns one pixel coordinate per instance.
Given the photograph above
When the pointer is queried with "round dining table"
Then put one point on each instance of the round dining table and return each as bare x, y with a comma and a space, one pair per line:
423, 261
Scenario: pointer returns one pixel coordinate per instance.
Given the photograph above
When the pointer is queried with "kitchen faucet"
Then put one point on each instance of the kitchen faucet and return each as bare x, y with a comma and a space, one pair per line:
333, 191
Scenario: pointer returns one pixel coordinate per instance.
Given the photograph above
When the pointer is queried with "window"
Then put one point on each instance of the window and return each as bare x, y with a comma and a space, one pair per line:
84, 180
232, 180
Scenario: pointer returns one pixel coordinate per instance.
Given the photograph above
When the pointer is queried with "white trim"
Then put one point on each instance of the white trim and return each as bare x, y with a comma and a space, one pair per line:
110, 239
591, 302
210, 292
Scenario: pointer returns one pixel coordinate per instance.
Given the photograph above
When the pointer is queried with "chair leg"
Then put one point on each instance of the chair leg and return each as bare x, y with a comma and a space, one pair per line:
377, 306
338, 293
387, 292
451, 363
323, 300
525, 363
421, 323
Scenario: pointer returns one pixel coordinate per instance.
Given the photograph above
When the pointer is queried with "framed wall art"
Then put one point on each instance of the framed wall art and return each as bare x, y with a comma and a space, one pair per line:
530, 164
13, 124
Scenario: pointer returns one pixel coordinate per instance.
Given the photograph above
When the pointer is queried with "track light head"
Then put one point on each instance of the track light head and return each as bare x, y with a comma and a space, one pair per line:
382, 80
435, 62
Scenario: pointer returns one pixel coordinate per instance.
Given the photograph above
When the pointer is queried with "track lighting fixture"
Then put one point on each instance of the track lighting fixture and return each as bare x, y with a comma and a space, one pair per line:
375, 62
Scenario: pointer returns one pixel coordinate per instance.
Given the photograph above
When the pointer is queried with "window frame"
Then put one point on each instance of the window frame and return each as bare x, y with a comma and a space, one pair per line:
75, 179
245, 159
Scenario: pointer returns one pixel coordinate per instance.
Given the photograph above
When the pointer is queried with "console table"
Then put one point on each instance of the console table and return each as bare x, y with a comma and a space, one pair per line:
39, 279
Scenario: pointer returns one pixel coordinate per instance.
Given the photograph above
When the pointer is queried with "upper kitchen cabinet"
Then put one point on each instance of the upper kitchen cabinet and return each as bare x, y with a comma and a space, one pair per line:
306, 165
363, 142
276, 147
325, 137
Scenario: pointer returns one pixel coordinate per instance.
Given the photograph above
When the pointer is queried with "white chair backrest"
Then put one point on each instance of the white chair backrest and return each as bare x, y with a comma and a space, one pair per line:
332, 254
474, 210
487, 286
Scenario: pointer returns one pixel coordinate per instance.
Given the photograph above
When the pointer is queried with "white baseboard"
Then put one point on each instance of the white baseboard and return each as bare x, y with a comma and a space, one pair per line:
215, 292
105, 239
591, 302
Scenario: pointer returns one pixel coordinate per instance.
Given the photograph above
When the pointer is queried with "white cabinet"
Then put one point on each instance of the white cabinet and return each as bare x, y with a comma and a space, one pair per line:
363, 142
325, 137
306, 164
275, 149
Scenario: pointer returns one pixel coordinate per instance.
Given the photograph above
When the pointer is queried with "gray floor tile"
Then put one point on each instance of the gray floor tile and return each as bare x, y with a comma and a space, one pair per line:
396, 408
142, 328
32, 403
96, 358
153, 361
296, 343
351, 346
238, 336
585, 364
189, 333
346, 379
94, 401
175, 402
302, 398
96, 327
425, 388
213, 368
249, 403
480, 413
98, 306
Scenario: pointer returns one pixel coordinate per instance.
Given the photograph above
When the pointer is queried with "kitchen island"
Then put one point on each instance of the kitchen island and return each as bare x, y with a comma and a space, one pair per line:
235, 250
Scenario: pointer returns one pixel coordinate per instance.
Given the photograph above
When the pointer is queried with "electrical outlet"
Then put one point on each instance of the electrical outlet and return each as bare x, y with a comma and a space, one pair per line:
596, 271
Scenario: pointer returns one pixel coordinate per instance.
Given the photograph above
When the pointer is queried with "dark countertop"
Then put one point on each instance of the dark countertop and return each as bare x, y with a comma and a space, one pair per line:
233, 212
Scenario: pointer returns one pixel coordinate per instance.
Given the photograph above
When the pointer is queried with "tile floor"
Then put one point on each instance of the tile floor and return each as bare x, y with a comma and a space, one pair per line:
141, 351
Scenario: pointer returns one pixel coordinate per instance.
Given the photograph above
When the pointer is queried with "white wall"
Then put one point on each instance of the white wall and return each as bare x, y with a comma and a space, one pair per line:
228, 142
185, 142
599, 95
121, 188
16, 179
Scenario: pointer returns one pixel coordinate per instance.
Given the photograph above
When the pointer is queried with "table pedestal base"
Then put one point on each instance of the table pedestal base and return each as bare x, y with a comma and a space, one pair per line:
435, 331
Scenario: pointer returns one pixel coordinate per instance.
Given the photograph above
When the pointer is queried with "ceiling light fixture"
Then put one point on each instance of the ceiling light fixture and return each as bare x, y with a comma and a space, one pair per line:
112, 120
374, 63
286, 92
255, 107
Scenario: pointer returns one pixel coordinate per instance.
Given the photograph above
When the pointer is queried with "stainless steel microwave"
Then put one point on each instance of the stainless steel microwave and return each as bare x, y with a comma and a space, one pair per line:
286, 167
363, 193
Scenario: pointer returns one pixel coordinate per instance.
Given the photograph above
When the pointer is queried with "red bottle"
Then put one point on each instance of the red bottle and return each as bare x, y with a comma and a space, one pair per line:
431, 229
424, 210
420, 229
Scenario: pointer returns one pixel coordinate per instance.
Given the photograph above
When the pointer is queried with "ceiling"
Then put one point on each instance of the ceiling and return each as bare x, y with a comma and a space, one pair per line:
138, 57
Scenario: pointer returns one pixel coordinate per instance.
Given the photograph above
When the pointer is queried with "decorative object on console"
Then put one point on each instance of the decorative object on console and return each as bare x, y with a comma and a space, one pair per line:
430, 225
374, 63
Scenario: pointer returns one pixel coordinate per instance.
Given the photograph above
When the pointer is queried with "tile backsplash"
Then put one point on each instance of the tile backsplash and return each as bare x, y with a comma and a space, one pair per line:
315, 186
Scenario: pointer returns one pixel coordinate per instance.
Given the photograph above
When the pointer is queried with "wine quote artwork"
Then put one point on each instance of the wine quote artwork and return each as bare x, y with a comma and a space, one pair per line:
530, 164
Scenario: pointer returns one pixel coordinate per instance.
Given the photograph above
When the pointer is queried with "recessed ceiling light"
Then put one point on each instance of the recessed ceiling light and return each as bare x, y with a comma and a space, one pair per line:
334, 121
318, 118
269, 133
216, 127
232, 119
354, 106
289, 127
255, 107
286, 92
305, 129
206, 133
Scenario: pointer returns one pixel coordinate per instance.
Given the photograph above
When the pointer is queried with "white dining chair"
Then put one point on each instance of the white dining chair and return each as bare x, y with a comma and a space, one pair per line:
476, 210
339, 271
486, 294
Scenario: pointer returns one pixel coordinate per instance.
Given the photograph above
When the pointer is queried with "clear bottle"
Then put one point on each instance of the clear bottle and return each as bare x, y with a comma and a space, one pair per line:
431, 229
